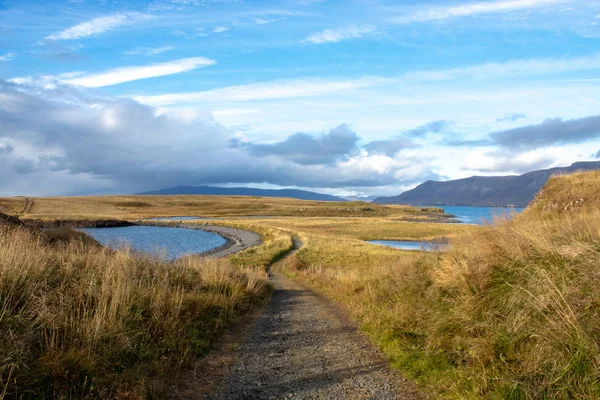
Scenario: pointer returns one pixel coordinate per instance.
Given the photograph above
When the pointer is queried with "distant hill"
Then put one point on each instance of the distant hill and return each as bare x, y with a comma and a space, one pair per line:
514, 190
243, 191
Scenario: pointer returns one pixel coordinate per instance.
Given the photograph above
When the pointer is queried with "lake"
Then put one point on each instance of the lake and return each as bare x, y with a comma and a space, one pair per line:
408, 245
167, 243
478, 215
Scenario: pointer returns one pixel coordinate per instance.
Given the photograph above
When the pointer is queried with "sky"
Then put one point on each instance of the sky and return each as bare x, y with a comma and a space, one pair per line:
352, 98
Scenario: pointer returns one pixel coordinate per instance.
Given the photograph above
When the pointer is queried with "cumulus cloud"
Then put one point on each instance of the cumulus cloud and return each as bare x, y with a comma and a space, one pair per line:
389, 147
392, 146
66, 141
430, 127
337, 35
518, 163
550, 132
306, 149
98, 25
6, 149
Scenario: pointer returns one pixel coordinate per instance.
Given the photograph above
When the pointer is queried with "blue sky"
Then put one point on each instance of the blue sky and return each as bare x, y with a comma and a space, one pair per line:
345, 97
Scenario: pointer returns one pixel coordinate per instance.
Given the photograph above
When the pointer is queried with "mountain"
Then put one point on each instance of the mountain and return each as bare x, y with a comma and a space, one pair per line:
514, 190
243, 191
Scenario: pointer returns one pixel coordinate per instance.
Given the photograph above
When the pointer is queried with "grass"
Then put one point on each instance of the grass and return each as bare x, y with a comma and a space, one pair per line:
133, 207
81, 321
510, 311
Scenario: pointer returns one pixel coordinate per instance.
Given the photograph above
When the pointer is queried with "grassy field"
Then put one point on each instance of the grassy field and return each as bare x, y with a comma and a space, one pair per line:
81, 321
134, 207
509, 311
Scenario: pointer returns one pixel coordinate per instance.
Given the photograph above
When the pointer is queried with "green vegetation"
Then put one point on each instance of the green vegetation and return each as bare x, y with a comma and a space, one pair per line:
511, 311
77, 320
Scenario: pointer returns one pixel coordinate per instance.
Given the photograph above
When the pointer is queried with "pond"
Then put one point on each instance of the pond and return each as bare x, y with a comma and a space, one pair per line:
167, 243
408, 245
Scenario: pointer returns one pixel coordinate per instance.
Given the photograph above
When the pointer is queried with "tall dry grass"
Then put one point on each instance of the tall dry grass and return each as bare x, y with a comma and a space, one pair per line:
510, 311
82, 321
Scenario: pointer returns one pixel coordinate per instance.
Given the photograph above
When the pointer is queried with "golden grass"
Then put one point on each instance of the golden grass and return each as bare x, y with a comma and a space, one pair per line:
564, 194
510, 311
77, 320
133, 207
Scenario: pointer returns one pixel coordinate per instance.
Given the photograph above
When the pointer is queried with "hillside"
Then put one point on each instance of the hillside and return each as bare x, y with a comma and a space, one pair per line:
515, 190
508, 311
243, 191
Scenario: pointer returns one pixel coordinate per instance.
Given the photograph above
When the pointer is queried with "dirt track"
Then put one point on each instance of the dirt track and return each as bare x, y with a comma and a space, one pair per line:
301, 347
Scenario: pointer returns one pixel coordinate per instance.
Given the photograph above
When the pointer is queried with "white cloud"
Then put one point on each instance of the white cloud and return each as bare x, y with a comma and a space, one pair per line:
535, 66
262, 91
517, 163
262, 21
150, 51
336, 35
7, 57
133, 73
98, 25
220, 29
466, 10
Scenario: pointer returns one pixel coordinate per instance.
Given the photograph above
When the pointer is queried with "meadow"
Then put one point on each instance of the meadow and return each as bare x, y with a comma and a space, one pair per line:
82, 321
510, 310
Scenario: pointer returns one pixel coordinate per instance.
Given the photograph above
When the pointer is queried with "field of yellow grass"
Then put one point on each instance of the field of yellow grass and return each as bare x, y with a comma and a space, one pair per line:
134, 207
80, 321
510, 311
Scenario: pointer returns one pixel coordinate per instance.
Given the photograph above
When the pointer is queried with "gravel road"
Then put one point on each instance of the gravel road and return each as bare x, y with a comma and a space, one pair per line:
302, 347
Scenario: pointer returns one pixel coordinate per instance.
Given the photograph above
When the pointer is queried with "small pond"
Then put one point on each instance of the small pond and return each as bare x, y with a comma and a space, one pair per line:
167, 243
408, 245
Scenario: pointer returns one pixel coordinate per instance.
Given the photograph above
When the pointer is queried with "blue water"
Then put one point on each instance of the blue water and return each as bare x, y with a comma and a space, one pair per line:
407, 245
478, 215
167, 243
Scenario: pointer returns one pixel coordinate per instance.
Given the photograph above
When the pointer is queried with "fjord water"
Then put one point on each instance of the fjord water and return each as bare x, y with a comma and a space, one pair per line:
408, 245
167, 243
479, 215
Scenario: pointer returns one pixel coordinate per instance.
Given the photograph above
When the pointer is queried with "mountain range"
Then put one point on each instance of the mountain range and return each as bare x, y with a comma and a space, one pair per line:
243, 191
514, 190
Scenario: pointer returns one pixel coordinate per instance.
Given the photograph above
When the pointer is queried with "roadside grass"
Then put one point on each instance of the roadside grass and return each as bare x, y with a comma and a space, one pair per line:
275, 244
510, 311
81, 321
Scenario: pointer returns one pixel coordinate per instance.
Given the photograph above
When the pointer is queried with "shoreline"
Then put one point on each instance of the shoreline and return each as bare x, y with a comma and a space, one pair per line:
236, 239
